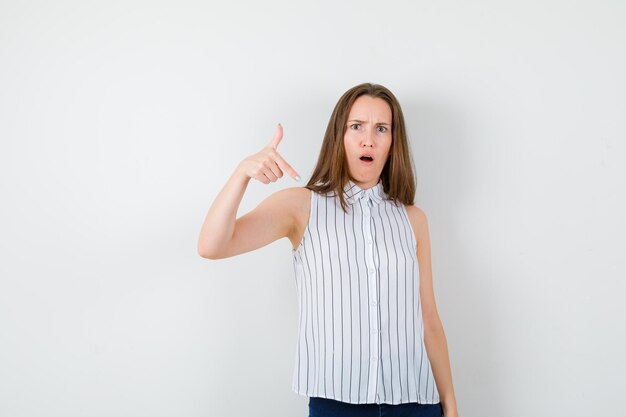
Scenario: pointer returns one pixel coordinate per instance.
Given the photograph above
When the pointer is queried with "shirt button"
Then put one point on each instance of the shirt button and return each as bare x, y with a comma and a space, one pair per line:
371, 271
374, 359
369, 241
373, 331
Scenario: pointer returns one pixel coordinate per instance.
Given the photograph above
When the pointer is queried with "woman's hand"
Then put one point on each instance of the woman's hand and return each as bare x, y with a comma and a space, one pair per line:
267, 165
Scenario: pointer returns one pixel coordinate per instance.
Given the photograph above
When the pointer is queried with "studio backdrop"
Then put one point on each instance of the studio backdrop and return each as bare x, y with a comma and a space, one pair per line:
120, 121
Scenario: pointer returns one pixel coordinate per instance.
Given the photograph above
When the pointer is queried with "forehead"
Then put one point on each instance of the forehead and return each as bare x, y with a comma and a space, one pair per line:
368, 107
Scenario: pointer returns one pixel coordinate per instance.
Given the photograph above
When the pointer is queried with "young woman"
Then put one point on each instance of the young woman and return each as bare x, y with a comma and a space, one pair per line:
370, 340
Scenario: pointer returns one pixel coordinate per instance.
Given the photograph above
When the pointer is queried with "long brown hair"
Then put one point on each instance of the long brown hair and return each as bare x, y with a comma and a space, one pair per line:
331, 172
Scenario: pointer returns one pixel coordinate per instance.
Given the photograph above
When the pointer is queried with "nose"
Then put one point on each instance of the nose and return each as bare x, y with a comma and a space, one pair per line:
367, 138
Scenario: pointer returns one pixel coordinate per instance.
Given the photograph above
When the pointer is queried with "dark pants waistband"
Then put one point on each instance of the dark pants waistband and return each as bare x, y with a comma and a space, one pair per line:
326, 407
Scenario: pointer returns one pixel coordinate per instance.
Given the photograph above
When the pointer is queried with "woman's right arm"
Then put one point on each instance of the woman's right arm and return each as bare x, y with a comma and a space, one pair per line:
223, 235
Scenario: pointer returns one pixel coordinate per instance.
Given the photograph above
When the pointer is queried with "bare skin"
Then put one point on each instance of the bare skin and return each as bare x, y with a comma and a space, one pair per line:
223, 234
285, 213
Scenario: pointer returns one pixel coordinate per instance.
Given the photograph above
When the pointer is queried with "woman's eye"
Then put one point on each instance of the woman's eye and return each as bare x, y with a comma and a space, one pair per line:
352, 126
384, 129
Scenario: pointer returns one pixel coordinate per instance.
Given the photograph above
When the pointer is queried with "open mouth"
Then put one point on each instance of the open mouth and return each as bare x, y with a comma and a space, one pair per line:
367, 160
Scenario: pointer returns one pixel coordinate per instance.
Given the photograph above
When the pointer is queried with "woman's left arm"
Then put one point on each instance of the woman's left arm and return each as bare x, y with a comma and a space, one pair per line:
434, 336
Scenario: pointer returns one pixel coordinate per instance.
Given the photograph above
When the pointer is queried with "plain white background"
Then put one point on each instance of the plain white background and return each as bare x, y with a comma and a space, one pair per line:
121, 120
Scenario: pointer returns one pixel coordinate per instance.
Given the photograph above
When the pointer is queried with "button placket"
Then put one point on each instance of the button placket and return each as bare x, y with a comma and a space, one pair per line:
371, 276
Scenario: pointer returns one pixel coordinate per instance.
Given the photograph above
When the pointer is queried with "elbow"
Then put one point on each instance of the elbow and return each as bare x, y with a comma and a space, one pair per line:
214, 250
205, 253
202, 253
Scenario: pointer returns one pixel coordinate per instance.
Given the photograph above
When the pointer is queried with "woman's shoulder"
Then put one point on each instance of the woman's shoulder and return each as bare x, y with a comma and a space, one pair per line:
296, 192
415, 213
418, 219
299, 207
294, 199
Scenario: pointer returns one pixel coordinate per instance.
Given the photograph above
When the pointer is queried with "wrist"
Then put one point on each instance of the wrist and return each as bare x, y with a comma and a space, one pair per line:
239, 174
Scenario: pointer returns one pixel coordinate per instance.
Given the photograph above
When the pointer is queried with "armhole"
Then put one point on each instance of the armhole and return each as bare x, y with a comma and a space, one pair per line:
308, 223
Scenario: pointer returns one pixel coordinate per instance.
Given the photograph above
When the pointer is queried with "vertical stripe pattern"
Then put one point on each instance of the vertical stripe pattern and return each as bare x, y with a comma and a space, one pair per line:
361, 335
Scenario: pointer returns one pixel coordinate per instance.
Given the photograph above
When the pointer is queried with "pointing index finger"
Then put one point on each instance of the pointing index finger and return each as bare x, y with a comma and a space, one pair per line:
284, 165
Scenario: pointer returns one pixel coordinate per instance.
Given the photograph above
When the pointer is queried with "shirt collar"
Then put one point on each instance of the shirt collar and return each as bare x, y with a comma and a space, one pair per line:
353, 192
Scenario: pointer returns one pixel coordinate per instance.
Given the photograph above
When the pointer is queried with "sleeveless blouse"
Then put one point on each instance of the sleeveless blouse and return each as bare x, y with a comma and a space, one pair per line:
360, 336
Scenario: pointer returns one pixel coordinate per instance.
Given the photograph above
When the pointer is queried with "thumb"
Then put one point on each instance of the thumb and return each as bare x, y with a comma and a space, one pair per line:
277, 137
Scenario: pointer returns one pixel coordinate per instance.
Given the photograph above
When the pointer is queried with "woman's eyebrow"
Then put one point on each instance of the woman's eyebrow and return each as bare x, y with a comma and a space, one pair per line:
361, 121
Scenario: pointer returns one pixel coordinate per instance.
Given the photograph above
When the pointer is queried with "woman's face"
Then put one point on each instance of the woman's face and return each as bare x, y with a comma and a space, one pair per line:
368, 133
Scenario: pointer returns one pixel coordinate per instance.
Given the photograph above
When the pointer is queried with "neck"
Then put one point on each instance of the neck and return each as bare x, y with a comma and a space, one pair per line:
366, 184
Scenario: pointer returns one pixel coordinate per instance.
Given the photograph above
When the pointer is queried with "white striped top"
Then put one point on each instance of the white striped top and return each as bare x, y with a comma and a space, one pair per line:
361, 335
